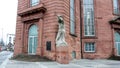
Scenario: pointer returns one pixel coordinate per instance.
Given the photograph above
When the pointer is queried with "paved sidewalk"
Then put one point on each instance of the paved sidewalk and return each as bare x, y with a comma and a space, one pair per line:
83, 63
21, 64
4, 58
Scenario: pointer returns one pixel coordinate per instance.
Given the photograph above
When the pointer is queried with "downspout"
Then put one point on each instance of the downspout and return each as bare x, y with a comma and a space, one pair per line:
81, 28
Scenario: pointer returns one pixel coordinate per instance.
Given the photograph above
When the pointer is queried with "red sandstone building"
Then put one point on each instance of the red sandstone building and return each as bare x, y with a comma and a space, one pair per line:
92, 28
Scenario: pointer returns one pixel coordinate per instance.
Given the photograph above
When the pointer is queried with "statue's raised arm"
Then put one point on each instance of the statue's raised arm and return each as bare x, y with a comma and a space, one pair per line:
60, 39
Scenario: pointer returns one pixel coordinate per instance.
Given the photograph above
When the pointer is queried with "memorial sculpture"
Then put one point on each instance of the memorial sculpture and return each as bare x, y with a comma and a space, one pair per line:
60, 39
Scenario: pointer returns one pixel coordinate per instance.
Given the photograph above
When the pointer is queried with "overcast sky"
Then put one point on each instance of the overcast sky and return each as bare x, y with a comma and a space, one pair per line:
8, 12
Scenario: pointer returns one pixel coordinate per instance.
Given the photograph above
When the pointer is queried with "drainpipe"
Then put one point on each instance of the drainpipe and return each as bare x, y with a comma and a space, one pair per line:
81, 28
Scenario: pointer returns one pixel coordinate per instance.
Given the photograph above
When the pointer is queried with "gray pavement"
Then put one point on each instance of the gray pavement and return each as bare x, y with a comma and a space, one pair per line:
4, 57
83, 63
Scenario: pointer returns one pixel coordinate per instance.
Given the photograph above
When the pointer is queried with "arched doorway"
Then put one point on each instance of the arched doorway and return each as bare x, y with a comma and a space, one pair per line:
32, 40
117, 42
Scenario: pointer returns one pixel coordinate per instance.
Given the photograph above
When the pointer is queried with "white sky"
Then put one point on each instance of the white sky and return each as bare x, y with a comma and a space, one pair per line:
8, 12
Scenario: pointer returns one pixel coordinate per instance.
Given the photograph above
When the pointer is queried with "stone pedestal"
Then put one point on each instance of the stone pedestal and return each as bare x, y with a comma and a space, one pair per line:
62, 54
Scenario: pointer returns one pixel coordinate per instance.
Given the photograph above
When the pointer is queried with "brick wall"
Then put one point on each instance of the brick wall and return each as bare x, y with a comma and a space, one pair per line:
48, 27
104, 36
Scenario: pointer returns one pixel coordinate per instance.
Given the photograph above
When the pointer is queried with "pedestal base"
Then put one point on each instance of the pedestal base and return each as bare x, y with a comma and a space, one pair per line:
62, 55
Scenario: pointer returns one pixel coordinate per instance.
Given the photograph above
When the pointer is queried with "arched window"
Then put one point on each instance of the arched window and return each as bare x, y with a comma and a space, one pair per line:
33, 30
33, 39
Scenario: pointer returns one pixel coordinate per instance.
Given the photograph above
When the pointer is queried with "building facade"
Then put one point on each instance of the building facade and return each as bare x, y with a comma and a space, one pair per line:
10, 39
92, 28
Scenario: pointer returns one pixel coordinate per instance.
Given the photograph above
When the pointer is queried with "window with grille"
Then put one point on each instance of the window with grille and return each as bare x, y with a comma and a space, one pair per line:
89, 28
72, 17
116, 6
10, 39
89, 47
117, 42
34, 2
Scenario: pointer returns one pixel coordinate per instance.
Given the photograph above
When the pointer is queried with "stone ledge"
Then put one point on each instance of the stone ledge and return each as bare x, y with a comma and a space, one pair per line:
62, 48
39, 8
